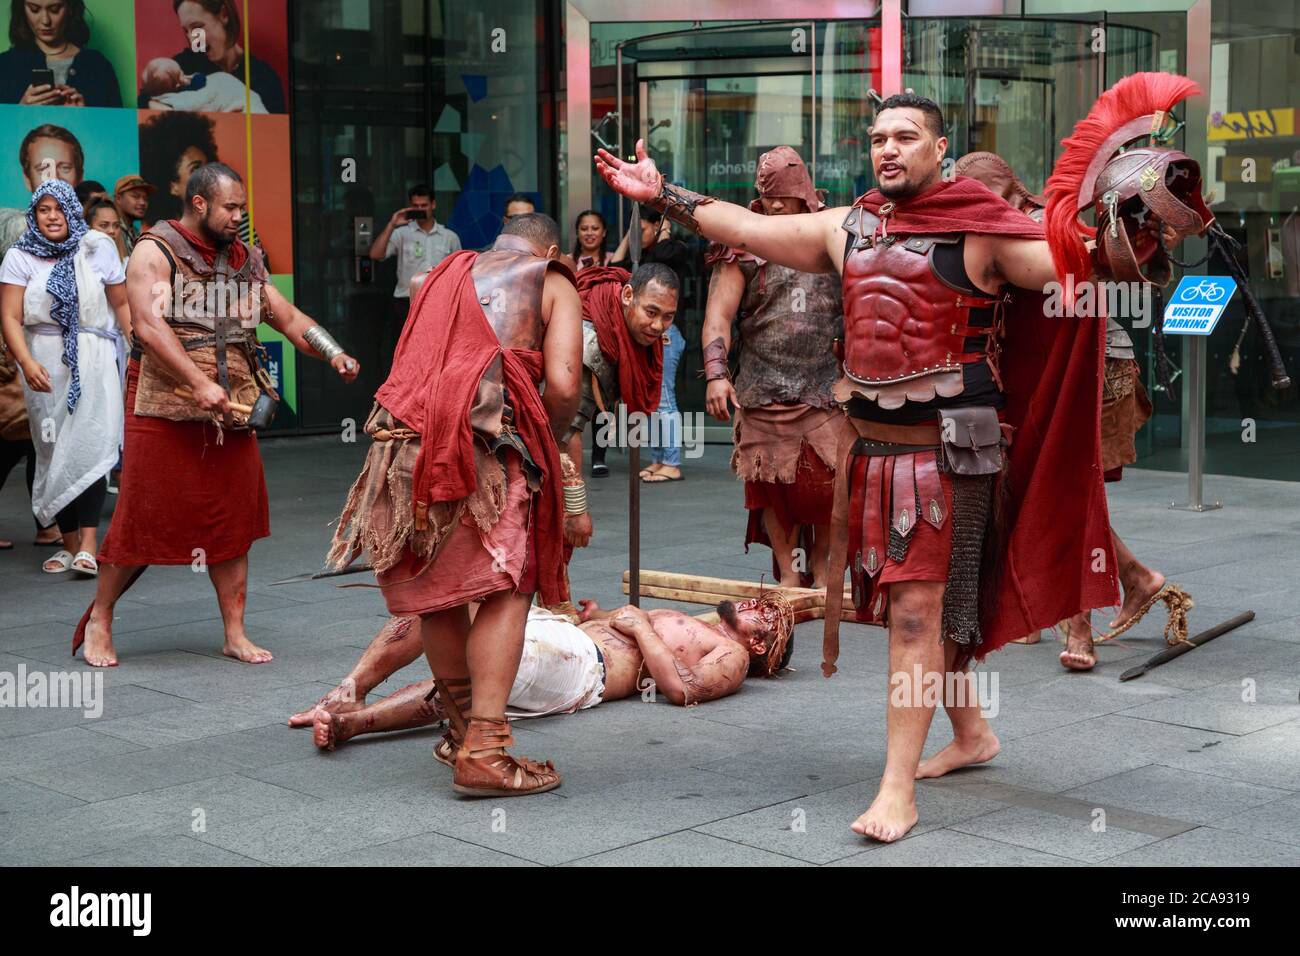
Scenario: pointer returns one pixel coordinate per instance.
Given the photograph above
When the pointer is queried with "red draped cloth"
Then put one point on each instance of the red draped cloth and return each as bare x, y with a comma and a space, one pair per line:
1056, 518
640, 367
443, 352
180, 491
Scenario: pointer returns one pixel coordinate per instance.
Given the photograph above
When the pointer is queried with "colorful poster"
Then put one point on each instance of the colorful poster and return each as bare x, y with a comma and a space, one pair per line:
100, 90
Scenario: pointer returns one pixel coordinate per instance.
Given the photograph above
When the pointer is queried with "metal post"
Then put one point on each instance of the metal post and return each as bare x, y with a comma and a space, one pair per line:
1194, 395
1194, 352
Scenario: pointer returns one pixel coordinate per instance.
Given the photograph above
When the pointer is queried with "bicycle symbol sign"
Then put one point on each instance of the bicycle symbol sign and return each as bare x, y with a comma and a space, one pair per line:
1197, 304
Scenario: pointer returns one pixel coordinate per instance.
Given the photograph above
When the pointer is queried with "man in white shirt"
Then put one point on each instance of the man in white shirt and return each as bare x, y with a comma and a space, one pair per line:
420, 243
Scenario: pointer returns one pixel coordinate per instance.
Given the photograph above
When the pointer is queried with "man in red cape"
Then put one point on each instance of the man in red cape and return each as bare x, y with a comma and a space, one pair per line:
946, 355
624, 318
465, 495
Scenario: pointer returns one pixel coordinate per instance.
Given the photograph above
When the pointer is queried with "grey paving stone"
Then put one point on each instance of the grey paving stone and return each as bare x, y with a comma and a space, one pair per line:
111, 703
1221, 707
1205, 844
686, 849
1278, 821
48, 836
17, 796
1052, 833
165, 851
1269, 757
815, 827
106, 777
1198, 798
328, 828
564, 828
423, 850
1061, 759
30, 753
952, 848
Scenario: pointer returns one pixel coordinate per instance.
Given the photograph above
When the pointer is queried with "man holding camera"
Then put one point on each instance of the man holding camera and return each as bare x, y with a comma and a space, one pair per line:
420, 243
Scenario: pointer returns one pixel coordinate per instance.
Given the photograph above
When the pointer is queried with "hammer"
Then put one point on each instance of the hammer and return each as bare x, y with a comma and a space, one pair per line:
245, 410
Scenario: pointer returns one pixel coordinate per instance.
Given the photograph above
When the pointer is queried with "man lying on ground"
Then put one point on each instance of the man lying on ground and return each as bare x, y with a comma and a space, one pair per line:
567, 667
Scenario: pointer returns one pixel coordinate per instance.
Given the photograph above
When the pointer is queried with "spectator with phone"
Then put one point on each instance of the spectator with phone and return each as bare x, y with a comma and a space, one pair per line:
420, 243
49, 63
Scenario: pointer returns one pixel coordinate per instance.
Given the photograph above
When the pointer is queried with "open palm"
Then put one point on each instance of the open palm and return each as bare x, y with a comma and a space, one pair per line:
638, 181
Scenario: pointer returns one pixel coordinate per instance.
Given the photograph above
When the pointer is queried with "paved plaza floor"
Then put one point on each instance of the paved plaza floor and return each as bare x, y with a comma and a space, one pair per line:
192, 762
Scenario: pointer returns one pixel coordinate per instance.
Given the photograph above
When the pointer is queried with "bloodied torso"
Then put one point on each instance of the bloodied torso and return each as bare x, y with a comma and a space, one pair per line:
789, 321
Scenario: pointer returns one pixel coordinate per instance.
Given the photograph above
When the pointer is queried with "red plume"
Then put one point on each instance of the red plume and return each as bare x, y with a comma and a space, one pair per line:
1134, 96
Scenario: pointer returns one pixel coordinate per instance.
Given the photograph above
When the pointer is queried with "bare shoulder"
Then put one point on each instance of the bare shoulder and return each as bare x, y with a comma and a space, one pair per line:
560, 297
146, 260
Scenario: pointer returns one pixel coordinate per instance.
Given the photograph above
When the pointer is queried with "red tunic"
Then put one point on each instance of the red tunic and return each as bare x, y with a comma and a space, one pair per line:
181, 491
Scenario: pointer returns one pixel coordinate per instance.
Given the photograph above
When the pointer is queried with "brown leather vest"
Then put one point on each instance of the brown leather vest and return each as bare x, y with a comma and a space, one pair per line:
905, 328
199, 297
509, 279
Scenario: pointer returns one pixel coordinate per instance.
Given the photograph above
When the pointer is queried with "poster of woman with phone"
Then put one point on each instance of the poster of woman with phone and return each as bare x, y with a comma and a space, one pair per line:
49, 62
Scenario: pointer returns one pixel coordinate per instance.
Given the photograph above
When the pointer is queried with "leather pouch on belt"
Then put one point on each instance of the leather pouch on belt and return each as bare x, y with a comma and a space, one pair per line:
971, 440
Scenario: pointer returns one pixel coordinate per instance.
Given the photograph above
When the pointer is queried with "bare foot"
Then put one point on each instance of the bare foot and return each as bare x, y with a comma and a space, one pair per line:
889, 817
340, 700
960, 753
1140, 584
98, 649
589, 610
327, 729
1079, 654
242, 649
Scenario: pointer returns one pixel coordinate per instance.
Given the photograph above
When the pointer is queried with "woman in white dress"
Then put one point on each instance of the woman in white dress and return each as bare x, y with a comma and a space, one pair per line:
62, 301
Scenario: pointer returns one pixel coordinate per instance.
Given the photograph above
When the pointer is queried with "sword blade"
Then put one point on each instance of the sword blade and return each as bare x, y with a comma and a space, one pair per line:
1169, 653
318, 575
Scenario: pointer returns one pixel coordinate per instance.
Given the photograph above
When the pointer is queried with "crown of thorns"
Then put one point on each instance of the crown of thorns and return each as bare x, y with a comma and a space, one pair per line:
777, 614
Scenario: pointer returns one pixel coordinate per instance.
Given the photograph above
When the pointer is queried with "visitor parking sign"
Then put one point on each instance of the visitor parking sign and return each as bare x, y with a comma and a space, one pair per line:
1197, 303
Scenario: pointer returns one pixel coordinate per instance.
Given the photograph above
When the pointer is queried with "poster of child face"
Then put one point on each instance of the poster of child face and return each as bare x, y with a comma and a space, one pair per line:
190, 56
174, 143
72, 144
68, 53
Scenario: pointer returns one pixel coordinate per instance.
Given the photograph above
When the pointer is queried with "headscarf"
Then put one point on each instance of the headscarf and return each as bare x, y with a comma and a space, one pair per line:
62, 284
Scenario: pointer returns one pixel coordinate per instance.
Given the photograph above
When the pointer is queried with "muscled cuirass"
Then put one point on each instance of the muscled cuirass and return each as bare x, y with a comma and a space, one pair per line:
905, 328
789, 321
509, 280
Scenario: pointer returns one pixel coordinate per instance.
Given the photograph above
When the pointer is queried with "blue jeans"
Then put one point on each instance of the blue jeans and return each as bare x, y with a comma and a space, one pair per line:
668, 450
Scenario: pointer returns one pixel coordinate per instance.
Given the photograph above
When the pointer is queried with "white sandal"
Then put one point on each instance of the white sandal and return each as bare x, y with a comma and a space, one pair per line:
85, 558
62, 557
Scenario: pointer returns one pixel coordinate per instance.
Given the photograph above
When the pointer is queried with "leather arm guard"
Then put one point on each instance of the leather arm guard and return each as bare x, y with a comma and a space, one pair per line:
678, 204
715, 360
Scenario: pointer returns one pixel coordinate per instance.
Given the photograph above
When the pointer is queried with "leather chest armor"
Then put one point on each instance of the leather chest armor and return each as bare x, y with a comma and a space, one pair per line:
905, 327
788, 323
508, 280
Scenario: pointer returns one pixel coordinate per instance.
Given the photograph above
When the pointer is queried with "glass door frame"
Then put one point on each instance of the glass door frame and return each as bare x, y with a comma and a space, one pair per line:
581, 14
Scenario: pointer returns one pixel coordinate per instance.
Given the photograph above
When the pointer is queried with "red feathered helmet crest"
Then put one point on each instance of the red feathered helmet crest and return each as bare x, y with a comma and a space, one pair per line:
1134, 190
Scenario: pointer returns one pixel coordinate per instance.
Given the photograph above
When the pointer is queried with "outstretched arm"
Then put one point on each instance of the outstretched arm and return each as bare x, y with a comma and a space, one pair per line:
807, 242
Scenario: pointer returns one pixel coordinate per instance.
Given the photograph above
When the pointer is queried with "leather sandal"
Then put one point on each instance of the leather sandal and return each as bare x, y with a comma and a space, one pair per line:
457, 690
1177, 603
483, 769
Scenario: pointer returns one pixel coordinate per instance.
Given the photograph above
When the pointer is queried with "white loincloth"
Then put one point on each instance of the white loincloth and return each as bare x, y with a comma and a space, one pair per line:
559, 672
